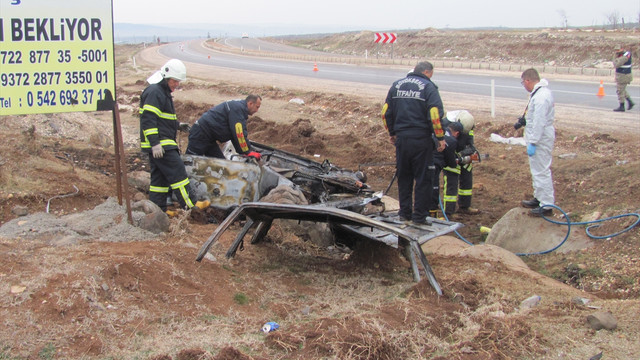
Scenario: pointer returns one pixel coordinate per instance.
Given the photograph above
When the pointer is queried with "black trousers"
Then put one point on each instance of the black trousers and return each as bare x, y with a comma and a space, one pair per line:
435, 194
168, 174
450, 193
458, 187
200, 144
414, 159
465, 187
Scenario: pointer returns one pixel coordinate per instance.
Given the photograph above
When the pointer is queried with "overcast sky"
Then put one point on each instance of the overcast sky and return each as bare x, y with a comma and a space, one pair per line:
377, 15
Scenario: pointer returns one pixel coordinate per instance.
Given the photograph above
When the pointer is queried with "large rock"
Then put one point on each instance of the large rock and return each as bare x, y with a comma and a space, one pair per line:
520, 233
489, 252
156, 222
146, 206
139, 179
444, 245
447, 245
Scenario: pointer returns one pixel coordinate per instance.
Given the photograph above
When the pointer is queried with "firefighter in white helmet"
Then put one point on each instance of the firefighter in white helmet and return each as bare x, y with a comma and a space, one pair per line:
458, 180
158, 130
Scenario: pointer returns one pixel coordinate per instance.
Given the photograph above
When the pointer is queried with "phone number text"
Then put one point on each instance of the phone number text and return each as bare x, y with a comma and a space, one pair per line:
47, 78
63, 97
16, 57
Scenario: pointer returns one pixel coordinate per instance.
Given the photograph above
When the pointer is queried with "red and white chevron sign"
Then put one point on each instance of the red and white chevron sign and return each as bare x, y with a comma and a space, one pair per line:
386, 38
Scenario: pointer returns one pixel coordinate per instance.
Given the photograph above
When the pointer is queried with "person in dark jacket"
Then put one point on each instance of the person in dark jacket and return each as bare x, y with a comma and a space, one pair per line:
411, 114
444, 159
158, 131
221, 123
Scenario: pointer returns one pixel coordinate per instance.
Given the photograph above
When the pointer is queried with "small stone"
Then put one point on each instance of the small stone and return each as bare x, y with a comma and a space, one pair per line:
20, 210
602, 320
17, 289
530, 302
580, 300
568, 156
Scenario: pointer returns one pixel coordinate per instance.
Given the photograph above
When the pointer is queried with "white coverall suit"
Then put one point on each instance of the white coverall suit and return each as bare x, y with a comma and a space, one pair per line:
540, 132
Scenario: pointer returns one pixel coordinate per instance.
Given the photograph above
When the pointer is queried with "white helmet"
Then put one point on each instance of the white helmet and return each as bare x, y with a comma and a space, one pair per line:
173, 69
466, 119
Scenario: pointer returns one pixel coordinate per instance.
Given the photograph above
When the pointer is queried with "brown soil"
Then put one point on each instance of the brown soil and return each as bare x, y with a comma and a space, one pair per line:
149, 299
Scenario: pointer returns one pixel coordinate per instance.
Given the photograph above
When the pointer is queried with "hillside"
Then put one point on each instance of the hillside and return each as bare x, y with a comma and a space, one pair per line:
576, 48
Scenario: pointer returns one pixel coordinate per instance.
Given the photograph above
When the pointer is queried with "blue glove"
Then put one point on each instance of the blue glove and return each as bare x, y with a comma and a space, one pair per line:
531, 149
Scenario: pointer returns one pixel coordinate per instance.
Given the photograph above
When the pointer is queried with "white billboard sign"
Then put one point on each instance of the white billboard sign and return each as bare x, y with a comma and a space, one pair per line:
56, 56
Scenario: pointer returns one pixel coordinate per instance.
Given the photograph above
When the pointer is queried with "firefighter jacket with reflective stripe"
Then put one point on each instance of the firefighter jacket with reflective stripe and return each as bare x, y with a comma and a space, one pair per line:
413, 107
446, 158
158, 121
622, 63
224, 122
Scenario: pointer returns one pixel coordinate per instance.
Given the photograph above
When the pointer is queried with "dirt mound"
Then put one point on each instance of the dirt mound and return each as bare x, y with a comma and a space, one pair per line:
106, 222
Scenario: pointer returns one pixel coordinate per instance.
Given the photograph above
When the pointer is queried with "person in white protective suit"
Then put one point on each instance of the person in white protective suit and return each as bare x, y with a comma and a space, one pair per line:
540, 136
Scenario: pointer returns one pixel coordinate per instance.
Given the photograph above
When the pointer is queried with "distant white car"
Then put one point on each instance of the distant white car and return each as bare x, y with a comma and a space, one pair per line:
245, 35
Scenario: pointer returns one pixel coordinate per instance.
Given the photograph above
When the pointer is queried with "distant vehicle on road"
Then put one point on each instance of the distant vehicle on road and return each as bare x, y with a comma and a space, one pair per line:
245, 35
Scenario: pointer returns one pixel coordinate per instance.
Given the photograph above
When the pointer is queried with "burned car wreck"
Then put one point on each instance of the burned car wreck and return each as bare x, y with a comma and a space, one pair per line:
320, 193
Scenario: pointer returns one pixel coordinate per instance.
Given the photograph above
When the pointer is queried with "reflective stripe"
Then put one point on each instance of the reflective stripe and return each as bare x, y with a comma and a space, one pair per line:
147, 145
455, 170
241, 140
160, 114
450, 198
183, 191
468, 167
158, 189
167, 142
384, 119
152, 131
465, 192
435, 120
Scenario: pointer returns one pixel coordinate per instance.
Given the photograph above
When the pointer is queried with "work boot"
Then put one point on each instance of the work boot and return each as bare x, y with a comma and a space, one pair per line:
530, 204
404, 219
539, 211
171, 213
468, 211
629, 103
433, 214
620, 108
203, 204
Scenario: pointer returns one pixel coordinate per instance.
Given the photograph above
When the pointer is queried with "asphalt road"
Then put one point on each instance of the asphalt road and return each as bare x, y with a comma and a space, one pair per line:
580, 94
